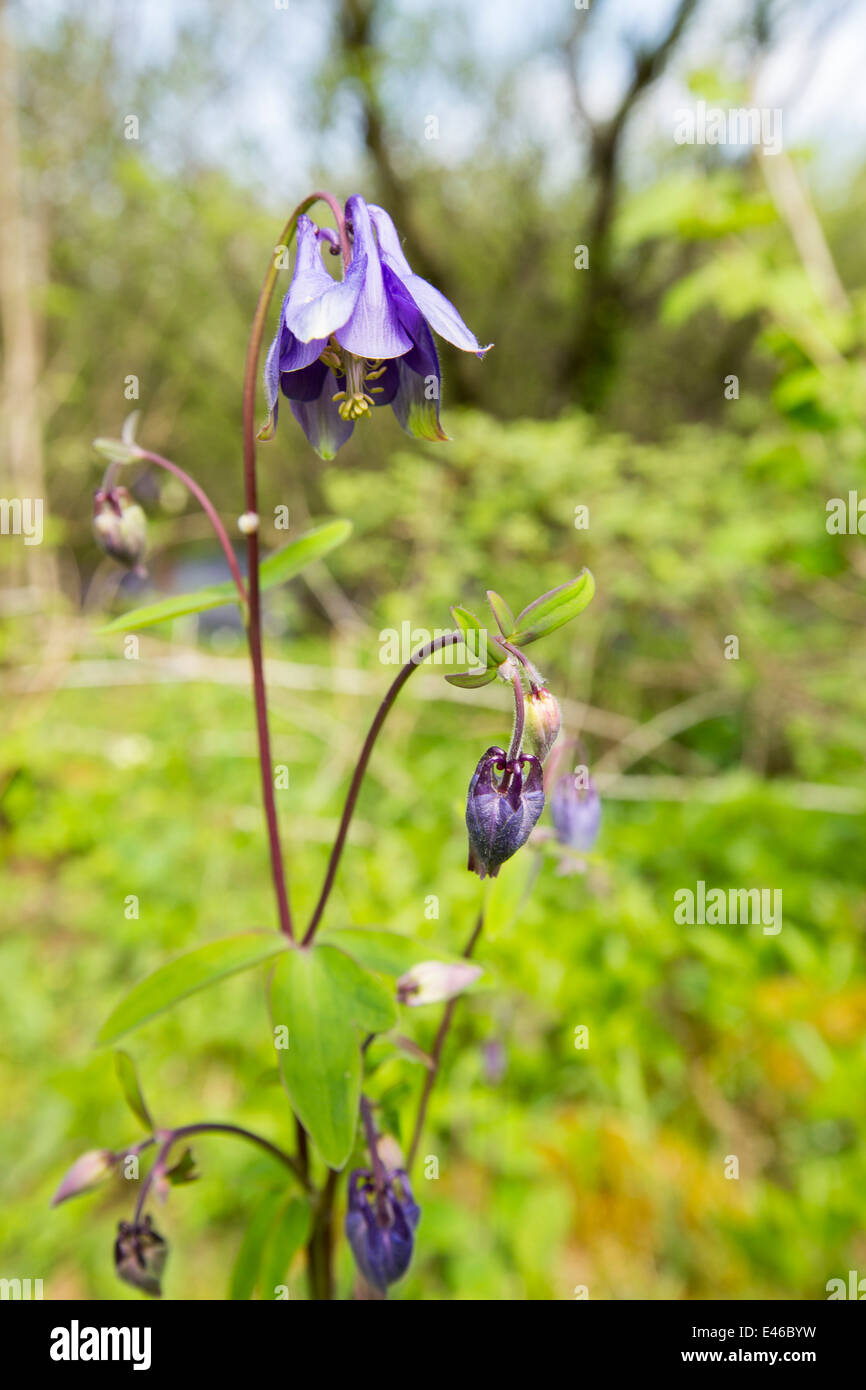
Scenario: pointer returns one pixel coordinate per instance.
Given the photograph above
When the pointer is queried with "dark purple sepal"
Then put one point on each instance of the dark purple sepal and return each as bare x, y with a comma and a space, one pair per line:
140, 1254
380, 1227
506, 797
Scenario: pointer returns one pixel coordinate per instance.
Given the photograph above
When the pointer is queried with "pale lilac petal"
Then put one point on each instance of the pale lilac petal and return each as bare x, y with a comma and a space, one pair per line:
272, 366
390, 248
295, 354
437, 310
373, 330
317, 305
442, 317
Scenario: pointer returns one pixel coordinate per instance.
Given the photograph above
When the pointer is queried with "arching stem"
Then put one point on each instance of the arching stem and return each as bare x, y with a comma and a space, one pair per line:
201, 496
445, 640
254, 618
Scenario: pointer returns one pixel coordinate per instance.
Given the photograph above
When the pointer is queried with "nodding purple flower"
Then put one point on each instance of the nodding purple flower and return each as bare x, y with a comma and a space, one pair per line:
139, 1256
506, 797
576, 810
343, 346
380, 1226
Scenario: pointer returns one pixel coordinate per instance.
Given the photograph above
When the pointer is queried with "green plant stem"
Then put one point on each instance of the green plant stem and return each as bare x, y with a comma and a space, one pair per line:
437, 1049
445, 640
320, 1247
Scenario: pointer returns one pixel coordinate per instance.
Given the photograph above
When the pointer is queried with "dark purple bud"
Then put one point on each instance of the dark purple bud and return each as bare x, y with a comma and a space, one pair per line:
506, 797
139, 1256
576, 808
120, 526
380, 1227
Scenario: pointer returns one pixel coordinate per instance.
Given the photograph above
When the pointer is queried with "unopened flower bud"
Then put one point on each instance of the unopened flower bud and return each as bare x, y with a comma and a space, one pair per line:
248, 523
576, 808
380, 1226
120, 527
139, 1256
542, 721
506, 797
86, 1172
434, 981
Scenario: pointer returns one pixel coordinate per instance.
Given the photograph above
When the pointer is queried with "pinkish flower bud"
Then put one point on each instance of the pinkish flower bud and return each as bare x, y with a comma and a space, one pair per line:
85, 1173
120, 527
434, 981
543, 721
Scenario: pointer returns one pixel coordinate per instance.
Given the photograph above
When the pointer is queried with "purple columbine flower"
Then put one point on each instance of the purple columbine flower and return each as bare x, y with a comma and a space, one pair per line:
506, 797
381, 1226
343, 346
576, 811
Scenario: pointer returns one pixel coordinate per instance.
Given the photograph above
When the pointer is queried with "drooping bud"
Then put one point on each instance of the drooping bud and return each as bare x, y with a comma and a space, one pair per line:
434, 981
380, 1226
543, 721
120, 527
140, 1254
506, 797
85, 1173
576, 808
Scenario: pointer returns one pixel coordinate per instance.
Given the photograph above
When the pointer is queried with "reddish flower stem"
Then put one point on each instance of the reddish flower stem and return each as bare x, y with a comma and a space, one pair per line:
519, 718
201, 496
437, 1050
254, 623
168, 1138
447, 639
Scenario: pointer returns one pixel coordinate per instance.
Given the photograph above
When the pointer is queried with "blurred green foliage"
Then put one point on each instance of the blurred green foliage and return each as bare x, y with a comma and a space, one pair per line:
562, 1166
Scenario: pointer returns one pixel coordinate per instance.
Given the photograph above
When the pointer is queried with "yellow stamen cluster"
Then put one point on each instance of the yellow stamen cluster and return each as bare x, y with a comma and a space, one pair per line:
357, 399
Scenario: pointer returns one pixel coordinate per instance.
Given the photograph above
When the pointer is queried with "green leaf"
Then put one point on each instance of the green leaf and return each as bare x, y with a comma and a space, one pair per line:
188, 973
501, 612
481, 644
368, 1001
468, 680
183, 1171
167, 608
290, 1229
117, 450
554, 609
289, 561
249, 1258
276, 569
385, 951
321, 1065
129, 1084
